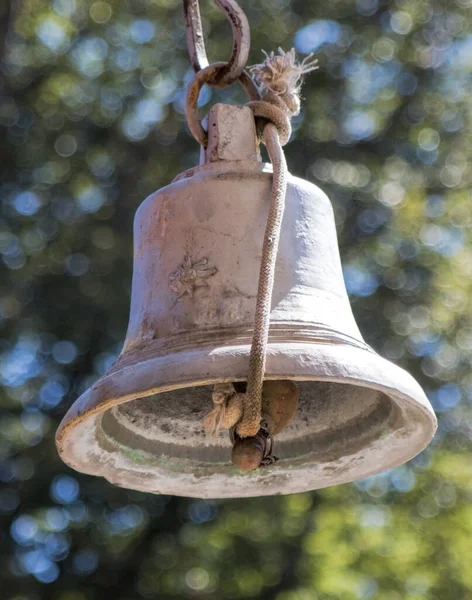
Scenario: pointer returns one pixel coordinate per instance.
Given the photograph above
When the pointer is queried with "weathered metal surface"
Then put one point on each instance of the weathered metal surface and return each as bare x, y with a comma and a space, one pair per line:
193, 91
141, 424
233, 135
195, 39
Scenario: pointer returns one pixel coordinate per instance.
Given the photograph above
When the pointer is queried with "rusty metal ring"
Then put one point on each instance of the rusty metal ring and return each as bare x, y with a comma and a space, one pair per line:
241, 39
206, 76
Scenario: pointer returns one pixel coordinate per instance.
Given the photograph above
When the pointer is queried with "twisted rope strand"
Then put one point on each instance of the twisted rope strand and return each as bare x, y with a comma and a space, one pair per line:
250, 422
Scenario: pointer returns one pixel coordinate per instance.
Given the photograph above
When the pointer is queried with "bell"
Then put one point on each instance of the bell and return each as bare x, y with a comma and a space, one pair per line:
196, 264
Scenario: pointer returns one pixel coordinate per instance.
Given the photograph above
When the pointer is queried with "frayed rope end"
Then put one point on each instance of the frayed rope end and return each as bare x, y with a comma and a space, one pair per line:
282, 73
227, 409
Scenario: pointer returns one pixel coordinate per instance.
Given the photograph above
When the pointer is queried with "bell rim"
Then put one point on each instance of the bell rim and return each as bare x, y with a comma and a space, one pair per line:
385, 377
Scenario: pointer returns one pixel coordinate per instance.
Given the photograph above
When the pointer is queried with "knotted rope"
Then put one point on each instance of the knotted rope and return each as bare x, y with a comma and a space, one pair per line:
227, 408
279, 80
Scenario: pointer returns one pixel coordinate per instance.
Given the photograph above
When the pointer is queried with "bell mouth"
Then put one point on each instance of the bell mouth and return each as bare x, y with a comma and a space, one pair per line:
141, 426
332, 420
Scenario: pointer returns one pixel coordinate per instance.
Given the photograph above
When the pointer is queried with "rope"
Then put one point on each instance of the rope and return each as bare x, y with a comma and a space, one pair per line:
250, 422
279, 78
227, 409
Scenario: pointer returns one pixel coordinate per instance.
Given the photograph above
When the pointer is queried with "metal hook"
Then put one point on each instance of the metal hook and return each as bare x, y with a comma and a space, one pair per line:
196, 44
195, 41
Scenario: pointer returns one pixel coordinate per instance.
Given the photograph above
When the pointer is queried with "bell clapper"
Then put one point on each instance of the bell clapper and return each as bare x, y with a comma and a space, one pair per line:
251, 453
279, 406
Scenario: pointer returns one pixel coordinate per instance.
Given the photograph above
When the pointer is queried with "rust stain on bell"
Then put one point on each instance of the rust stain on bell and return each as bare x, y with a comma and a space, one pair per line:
141, 424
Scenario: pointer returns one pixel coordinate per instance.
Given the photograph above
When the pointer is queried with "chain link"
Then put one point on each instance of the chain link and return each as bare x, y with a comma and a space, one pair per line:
210, 73
196, 43
218, 74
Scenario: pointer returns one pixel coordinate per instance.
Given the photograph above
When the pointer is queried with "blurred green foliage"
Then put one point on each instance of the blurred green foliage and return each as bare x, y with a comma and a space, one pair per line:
91, 110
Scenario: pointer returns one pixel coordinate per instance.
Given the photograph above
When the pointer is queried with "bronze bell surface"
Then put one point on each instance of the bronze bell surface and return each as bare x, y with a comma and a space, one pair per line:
196, 263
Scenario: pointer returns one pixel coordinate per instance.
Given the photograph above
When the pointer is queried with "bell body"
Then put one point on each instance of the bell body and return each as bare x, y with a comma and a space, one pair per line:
198, 246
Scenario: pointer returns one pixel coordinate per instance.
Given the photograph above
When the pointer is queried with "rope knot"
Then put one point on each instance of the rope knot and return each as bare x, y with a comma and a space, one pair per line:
227, 409
279, 80
280, 77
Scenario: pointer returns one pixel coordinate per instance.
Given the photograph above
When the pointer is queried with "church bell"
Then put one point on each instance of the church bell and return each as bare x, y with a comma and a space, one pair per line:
197, 253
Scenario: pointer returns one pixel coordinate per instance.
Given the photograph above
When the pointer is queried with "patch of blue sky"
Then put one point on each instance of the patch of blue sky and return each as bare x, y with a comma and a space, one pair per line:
454, 86
127, 59
38, 564
91, 198
424, 343
125, 518
56, 519
64, 8
26, 532
371, 219
142, 31
57, 545
148, 111
316, 34
20, 364
435, 206
427, 157
446, 397
450, 241
201, 511
403, 478
360, 125
52, 34
367, 7
26, 203
88, 56
64, 489
452, 120
51, 393
359, 281
366, 79
458, 54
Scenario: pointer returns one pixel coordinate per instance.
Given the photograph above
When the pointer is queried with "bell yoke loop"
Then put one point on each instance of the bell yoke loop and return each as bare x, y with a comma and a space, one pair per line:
217, 74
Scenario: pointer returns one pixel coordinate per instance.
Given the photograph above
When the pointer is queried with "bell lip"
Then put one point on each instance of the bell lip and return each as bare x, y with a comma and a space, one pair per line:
302, 362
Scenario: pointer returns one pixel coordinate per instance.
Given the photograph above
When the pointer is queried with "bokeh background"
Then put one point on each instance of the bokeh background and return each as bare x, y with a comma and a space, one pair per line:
92, 121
